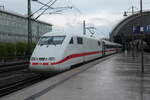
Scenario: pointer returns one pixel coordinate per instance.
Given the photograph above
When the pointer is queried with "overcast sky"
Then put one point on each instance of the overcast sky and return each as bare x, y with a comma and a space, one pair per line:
102, 14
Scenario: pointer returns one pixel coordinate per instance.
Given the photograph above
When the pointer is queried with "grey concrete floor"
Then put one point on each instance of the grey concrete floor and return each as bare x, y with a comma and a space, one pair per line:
118, 78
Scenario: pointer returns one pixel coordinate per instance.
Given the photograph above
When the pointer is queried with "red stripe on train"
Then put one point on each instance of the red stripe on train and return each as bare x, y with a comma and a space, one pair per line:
40, 63
72, 56
75, 56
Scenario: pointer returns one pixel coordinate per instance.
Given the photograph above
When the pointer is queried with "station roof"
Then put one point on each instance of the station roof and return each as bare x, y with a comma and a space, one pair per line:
124, 29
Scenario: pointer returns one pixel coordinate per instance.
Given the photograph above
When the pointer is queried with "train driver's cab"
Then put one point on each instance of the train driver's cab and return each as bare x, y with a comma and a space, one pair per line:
51, 40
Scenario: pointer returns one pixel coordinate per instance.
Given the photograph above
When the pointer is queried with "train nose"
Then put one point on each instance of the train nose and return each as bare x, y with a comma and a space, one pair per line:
44, 67
38, 65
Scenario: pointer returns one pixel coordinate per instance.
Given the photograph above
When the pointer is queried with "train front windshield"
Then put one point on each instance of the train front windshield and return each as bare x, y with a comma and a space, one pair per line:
51, 40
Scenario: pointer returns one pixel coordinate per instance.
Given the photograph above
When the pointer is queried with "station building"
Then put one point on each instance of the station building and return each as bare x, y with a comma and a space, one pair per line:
123, 31
14, 27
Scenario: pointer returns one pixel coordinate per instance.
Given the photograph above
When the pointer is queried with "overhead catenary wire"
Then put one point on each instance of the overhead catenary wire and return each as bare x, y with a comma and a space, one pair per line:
46, 9
41, 8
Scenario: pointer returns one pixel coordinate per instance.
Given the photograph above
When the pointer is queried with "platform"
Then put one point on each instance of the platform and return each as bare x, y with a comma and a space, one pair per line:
117, 77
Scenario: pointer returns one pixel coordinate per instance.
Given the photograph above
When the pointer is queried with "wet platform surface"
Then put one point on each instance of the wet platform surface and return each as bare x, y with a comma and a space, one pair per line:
117, 78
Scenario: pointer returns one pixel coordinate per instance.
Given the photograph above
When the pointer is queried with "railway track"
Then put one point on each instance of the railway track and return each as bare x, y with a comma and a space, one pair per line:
18, 81
13, 63
13, 67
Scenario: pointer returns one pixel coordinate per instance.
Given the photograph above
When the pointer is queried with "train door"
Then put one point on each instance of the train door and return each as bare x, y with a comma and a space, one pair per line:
84, 48
103, 48
80, 49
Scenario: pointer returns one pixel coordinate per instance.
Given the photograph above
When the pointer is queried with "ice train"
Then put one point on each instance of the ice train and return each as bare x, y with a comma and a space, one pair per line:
56, 52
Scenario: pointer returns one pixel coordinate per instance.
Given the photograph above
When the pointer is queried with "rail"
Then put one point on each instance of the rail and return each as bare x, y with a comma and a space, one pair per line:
18, 84
13, 66
4, 60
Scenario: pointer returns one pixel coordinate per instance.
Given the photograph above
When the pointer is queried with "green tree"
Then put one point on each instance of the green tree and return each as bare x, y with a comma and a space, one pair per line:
10, 48
21, 48
3, 50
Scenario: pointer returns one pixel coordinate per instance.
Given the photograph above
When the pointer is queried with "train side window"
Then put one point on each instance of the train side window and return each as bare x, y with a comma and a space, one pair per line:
79, 40
71, 41
99, 43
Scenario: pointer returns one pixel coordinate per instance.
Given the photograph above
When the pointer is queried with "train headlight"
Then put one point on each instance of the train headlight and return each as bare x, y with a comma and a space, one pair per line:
51, 58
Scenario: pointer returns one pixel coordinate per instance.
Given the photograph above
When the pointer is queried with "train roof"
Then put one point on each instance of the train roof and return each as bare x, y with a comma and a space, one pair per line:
111, 43
60, 33
57, 33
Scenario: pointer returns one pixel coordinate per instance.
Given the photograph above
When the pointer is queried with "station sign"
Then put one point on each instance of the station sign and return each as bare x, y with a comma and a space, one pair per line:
136, 29
139, 29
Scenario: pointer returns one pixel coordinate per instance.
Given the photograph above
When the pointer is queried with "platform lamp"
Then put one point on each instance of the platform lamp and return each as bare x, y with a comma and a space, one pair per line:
125, 15
142, 51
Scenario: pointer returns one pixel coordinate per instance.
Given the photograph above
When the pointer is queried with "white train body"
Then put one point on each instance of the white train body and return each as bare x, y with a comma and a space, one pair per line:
58, 52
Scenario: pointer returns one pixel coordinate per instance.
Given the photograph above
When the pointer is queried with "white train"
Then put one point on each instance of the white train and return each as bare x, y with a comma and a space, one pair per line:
56, 52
